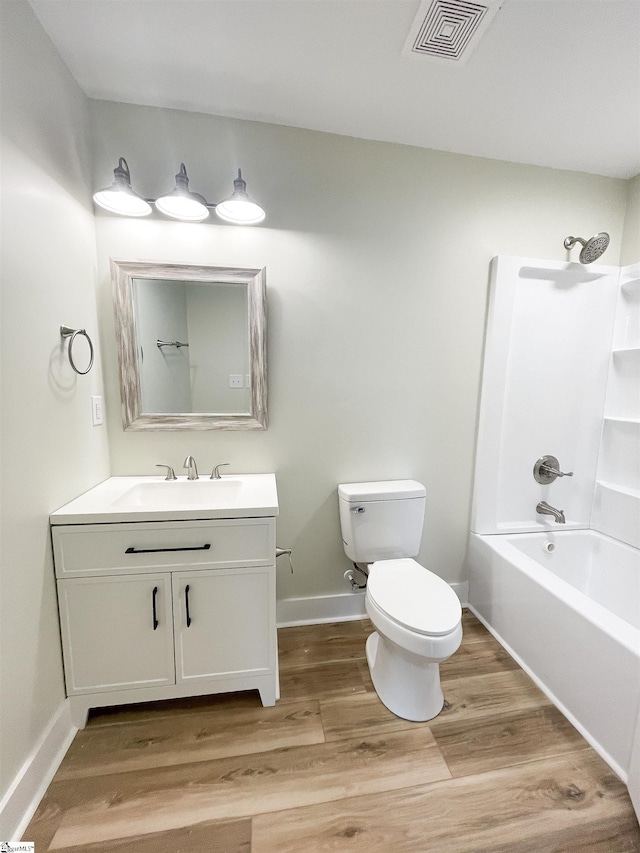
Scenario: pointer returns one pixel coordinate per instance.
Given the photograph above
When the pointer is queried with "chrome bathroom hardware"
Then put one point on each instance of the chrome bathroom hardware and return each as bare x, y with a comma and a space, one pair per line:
171, 474
591, 248
546, 509
192, 468
355, 586
215, 474
176, 344
72, 334
547, 469
358, 509
287, 551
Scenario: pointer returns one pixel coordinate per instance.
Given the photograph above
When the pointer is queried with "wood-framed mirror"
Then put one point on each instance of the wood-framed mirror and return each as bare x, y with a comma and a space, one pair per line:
191, 345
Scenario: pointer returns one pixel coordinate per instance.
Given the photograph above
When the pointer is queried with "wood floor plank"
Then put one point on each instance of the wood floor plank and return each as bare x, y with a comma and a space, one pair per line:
208, 837
485, 812
480, 657
187, 738
132, 804
341, 678
308, 645
466, 699
620, 834
488, 743
472, 628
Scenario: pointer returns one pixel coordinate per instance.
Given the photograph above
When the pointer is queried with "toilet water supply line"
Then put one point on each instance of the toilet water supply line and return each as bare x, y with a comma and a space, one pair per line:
281, 551
355, 586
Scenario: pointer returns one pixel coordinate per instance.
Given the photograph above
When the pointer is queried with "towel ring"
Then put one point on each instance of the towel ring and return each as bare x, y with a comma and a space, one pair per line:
67, 332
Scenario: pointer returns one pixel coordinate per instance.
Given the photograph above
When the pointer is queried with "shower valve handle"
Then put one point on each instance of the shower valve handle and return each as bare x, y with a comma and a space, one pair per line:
547, 469
555, 471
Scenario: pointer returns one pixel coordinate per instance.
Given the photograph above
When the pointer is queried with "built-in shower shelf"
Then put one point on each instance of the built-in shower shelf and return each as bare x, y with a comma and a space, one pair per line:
616, 510
611, 419
631, 286
621, 490
627, 352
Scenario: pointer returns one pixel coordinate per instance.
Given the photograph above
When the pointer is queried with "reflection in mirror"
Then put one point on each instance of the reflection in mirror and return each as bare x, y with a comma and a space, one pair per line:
191, 346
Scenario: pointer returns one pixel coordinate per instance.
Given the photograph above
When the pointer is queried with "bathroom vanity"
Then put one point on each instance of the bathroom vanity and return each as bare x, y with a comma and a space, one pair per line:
167, 589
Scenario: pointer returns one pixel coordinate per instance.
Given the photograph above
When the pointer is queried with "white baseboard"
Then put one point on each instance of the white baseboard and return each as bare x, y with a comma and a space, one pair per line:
343, 607
315, 609
28, 788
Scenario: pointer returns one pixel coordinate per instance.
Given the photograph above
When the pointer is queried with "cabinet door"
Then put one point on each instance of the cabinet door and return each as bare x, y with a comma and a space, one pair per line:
224, 623
117, 632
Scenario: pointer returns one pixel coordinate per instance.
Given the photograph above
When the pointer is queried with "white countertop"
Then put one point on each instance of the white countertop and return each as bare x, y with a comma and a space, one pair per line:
120, 499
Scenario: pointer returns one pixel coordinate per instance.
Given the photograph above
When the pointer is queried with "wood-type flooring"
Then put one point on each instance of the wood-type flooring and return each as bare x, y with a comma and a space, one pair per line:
331, 770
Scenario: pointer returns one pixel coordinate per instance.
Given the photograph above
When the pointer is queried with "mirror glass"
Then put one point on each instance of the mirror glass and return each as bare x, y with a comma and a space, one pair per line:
191, 345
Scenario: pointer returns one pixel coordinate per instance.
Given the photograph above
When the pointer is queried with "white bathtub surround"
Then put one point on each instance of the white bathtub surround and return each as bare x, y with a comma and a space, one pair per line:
562, 377
616, 503
544, 384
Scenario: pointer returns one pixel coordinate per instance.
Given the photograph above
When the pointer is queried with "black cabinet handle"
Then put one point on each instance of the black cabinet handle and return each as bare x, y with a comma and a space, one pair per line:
158, 550
153, 601
186, 603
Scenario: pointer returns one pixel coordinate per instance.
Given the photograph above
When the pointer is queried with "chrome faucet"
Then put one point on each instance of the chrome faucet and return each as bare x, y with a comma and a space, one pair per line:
545, 509
190, 464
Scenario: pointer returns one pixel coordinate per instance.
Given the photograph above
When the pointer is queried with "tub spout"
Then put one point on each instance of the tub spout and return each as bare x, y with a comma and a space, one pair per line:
545, 509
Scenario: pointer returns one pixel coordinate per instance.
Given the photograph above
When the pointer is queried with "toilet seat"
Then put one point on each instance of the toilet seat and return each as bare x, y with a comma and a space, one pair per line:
413, 597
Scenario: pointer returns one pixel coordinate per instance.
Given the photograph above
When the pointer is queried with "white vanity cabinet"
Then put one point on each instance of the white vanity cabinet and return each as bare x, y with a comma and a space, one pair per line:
166, 609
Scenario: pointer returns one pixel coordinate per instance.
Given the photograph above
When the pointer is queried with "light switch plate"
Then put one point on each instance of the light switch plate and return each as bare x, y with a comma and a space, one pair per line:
97, 411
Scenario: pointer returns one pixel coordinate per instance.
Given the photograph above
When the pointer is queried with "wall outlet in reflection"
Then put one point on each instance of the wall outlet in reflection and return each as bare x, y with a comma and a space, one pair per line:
236, 380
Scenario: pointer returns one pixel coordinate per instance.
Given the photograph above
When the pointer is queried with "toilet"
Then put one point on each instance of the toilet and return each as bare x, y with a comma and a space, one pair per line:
416, 614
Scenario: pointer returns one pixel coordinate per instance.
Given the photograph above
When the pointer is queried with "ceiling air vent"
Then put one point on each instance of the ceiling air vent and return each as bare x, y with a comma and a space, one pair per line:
449, 30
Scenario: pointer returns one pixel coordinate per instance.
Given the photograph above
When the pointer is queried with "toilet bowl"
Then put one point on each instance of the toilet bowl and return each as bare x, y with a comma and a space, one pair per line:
417, 617
416, 614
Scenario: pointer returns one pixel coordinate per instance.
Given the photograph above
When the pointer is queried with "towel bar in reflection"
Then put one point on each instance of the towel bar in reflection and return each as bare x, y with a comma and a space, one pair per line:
176, 344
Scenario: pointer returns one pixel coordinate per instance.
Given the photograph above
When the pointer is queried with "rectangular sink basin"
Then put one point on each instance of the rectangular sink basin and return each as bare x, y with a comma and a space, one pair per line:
157, 499
200, 493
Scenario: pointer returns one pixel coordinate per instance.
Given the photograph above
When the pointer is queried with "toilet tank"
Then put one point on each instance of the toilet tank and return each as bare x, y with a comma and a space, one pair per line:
381, 520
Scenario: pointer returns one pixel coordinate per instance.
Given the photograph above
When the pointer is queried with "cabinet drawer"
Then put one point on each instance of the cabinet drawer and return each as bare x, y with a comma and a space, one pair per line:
107, 549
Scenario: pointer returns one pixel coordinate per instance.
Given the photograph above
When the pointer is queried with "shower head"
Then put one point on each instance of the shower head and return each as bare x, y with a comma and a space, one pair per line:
591, 248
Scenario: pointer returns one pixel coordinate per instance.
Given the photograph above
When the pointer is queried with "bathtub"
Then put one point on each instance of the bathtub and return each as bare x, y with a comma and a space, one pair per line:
566, 605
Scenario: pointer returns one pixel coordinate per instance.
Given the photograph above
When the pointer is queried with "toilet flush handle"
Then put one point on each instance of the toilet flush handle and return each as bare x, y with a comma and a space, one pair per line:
358, 509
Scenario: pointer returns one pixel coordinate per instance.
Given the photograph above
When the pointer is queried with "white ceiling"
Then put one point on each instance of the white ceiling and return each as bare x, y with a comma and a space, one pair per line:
551, 82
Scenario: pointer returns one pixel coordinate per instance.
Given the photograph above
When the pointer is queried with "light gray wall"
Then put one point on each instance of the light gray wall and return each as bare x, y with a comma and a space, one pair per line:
630, 253
50, 451
377, 260
218, 346
161, 314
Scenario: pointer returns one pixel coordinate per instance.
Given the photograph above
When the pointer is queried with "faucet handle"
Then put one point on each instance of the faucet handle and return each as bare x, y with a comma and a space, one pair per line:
215, 474
547, 469
171, 474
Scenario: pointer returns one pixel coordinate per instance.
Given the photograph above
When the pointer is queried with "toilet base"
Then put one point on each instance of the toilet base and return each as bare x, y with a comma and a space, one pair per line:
408, 685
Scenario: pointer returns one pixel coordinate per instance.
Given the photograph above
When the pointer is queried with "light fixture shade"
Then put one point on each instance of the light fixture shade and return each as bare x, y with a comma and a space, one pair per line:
119, 197
238, 208
181, 203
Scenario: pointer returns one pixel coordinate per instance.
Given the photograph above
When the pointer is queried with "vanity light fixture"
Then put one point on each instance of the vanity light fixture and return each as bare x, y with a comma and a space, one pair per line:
239, 208
119, 197
180, 203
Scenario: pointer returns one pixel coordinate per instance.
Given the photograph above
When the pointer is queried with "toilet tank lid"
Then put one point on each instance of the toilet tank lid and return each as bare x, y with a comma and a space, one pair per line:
381, 490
